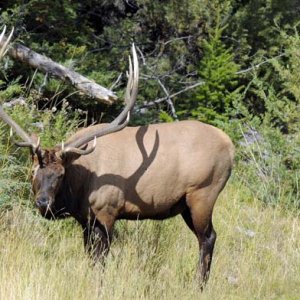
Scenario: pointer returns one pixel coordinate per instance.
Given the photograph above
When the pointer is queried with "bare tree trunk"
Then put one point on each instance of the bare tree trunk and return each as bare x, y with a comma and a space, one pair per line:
45, 64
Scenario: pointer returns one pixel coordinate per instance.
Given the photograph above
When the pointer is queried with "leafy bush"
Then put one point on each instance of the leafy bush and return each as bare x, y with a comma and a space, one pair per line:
269, 165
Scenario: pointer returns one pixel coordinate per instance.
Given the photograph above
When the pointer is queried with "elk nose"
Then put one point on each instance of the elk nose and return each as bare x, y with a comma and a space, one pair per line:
42, 202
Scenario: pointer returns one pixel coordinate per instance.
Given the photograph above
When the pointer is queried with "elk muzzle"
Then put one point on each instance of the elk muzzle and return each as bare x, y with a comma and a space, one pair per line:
44, 204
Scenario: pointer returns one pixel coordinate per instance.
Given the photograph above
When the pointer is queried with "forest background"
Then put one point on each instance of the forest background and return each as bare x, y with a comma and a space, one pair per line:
233, 63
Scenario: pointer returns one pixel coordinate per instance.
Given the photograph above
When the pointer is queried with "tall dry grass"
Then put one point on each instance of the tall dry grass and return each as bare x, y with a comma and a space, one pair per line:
257, 256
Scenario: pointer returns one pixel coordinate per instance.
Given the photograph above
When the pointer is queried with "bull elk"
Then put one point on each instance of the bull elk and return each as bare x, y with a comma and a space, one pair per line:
109, 172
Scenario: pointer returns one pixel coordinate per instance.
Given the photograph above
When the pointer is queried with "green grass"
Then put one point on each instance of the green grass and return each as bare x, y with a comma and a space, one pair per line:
257, 253
257, 256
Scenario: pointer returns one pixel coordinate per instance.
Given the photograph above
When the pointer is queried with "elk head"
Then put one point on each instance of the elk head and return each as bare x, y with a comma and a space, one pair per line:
49, 165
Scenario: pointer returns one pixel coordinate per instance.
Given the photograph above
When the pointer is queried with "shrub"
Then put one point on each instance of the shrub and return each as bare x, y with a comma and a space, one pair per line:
268, 164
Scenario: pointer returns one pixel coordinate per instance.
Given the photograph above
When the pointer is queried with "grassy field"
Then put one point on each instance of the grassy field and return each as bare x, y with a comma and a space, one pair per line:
257, 256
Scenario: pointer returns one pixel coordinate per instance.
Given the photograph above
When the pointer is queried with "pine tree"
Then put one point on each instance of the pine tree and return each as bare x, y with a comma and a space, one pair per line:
213, 100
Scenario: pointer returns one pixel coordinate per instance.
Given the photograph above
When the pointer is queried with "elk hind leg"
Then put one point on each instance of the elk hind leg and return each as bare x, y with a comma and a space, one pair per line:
198, 216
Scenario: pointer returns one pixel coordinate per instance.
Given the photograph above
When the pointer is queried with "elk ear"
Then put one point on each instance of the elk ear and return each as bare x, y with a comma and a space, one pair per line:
70, 156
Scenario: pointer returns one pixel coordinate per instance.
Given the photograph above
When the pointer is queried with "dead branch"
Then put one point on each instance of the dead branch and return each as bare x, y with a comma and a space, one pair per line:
46, 65
168, 99
260, 64
159, 100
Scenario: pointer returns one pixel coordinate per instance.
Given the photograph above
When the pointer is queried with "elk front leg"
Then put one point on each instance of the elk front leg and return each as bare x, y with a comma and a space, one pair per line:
97, 238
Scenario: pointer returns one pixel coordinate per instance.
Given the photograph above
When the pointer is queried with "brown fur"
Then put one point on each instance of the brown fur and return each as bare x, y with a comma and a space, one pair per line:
155, 171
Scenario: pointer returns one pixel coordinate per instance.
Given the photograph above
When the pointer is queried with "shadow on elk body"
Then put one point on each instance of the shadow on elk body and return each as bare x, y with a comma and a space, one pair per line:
109, 171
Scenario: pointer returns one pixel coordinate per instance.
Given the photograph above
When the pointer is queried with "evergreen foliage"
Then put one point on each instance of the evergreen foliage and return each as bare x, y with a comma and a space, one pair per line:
213, 101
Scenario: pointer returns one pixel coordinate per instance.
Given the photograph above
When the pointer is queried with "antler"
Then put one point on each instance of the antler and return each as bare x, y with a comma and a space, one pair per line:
120, 121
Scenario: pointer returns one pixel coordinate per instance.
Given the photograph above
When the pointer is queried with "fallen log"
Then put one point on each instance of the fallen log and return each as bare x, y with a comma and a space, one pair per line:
44, 64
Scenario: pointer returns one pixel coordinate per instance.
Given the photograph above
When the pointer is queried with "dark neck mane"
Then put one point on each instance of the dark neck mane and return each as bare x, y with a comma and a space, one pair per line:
71, 195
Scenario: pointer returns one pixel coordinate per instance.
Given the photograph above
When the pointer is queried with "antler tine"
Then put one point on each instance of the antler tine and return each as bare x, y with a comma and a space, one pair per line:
123, 118
2, 33
129, 83
27, 141
77, 150
3, 49
131, 89
34, 146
